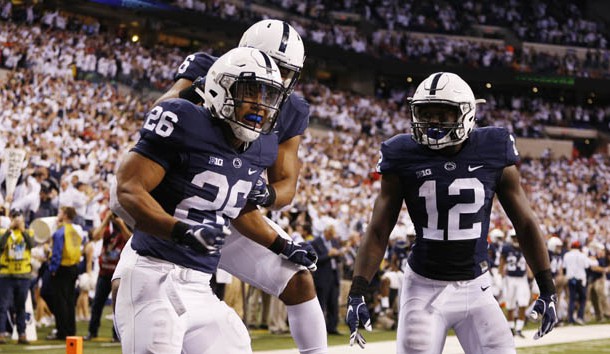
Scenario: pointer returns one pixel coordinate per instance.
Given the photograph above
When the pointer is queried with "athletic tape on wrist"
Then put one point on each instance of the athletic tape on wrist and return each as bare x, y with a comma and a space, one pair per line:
544, 279
359, 286
278, 245
178, 231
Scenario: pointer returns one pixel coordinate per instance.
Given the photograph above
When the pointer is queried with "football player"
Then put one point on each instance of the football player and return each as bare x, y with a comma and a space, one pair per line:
188, 176
515, 272
291, 283
496, 240
447, 173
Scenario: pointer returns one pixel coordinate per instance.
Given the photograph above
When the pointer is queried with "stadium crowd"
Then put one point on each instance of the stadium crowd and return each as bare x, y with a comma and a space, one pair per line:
388, 38
61, 106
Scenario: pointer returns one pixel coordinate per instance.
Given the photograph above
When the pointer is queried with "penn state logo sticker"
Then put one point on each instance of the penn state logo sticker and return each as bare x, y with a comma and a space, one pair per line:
450, 166
237, 162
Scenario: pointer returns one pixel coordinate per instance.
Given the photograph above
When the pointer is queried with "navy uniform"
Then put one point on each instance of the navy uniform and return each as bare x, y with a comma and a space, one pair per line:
207, 182
517, 287
239, 252
449, 199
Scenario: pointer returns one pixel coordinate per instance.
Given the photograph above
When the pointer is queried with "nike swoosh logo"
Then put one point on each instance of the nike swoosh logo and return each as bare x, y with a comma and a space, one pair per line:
251, 172
485, 287
473, 168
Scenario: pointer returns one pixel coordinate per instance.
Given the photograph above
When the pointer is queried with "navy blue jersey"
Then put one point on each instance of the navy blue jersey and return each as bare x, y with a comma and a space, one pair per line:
206, 182
294, 114
401, 251
449, 199
556, 262
515, 261
494, 255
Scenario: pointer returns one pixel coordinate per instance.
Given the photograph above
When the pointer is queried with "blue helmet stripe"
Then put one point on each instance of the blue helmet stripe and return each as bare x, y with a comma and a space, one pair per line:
284, 41
435, 83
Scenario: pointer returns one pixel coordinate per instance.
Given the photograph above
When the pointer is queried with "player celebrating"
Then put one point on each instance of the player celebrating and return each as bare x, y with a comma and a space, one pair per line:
447, 173
292, 284
186, 178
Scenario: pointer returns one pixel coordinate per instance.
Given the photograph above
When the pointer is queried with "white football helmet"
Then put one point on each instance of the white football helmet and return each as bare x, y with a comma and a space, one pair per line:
281, 42
553, 243
449, 89
245, 76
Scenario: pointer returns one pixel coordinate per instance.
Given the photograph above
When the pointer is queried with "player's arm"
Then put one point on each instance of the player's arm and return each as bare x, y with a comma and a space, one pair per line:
517, 207
284, 173
385, 214
136, 177
371, 252
252, 225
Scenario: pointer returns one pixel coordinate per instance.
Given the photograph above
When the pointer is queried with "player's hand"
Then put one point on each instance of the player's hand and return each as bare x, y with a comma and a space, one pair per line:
300, 253
201, 238
357, 312
262, 193
545, 310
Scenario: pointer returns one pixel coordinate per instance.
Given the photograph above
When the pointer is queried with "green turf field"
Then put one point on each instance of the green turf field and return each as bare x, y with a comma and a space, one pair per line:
262, 340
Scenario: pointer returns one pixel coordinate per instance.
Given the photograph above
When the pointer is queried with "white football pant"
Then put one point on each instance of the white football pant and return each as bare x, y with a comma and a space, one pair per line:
517, 292
249, 261
168, 309
429, 308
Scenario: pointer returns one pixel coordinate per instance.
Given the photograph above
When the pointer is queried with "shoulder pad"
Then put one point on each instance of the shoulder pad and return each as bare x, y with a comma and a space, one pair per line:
194, 66
174, 123
393, 152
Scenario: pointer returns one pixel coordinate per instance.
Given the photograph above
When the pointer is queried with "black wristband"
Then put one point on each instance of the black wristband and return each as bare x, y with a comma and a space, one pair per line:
190, 94
359, 286
544, 279
178, 231
271, 198
278, 245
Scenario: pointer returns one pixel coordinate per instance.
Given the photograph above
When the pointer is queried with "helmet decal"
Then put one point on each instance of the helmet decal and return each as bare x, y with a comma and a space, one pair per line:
435, 83
284, 41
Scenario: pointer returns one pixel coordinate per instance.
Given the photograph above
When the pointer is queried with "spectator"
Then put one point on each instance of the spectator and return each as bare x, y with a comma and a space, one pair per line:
596, 289
15, 271
326, 278
63, 267
576, 264
114, 234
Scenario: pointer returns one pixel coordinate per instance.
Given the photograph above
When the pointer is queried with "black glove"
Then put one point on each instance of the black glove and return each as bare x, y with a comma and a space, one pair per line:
195, 92
262, 194
201, 238
299, 253
545, 307
357, 311
546, 304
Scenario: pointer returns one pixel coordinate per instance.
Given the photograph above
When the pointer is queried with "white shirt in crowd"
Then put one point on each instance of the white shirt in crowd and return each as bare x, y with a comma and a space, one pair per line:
576, 263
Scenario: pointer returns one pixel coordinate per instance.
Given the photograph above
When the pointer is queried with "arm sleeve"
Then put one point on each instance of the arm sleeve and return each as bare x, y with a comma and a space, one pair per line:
512, 154
194, 65
167, 130
29, 241
58, 247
